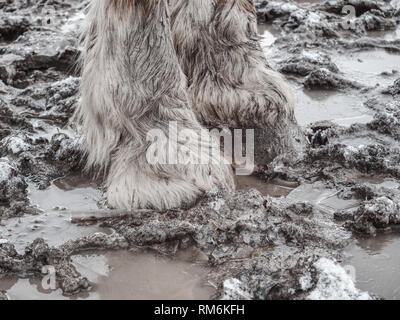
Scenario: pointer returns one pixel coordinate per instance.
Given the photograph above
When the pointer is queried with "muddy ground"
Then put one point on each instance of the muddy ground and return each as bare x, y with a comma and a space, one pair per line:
309, 226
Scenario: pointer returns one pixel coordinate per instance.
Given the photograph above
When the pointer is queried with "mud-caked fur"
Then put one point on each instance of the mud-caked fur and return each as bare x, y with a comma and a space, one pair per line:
131, 84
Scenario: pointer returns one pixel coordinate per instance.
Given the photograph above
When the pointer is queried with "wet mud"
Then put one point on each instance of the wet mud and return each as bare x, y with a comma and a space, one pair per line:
287, 233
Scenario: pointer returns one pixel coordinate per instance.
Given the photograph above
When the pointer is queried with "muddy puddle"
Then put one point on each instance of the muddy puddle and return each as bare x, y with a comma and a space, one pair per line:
121, 275
274, 188
364, 140
113, 274
376, 262
66, 197
378, 181
371, 68
341, 108
326, 200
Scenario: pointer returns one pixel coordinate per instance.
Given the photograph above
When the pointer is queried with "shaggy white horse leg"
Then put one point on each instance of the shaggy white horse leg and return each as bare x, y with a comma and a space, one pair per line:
230, 82
132, 84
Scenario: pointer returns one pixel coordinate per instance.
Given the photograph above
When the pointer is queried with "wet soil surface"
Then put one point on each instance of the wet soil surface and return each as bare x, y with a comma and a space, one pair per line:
292, 231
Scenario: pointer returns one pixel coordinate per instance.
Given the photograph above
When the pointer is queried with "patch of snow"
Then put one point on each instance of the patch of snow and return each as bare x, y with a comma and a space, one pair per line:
379, 203
349, 151
311, 55
16, 144
234, 289
313, 19
289, 7
5, 170
305, 282
334, 283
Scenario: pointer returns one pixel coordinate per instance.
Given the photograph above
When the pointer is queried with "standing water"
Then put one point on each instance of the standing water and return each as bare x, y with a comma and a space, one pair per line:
377, 264
121, 275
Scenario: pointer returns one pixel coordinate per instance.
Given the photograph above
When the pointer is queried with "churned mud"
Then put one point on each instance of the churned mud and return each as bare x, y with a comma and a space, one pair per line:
292, 231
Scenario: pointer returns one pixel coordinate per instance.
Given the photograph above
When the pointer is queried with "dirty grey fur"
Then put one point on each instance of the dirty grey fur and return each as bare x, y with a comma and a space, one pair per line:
136, 56
230, 81
132, 83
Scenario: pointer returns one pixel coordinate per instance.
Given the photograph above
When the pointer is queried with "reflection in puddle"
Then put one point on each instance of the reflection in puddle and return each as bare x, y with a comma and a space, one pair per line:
123, 275
377, 264
341, 108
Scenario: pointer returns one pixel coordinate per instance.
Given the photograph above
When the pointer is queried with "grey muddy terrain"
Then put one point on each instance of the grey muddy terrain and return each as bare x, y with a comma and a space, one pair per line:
306, 227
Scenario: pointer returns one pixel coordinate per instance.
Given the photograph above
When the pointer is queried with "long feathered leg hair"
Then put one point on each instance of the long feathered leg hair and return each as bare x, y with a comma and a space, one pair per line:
131, 84
230, 81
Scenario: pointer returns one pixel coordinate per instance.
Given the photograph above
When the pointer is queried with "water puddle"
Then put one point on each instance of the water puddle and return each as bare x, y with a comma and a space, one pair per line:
365, 140
326, 200
27, 289
366, 67
121, 275
378, 181
53, 224
377, 264
272, 188
358, 141
70, 193
341, 108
